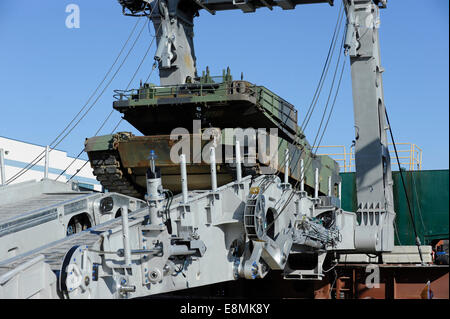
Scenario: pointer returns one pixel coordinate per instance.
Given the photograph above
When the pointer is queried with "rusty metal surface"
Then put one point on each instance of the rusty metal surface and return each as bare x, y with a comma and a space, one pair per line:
396, 282
135, 152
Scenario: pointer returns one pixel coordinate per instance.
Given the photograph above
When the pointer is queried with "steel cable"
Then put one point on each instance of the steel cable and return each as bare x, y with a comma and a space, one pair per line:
104, 89
41, 155
112, 111
324, 70
291, 195
404, 188
321, 80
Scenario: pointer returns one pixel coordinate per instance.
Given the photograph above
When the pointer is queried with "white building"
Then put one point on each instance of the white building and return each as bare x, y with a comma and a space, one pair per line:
17, 155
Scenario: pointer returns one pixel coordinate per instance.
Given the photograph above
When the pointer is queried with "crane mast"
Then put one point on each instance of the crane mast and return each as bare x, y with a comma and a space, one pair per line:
373, 167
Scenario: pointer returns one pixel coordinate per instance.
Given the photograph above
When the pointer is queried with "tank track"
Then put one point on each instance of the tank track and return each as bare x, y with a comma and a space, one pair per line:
108, 170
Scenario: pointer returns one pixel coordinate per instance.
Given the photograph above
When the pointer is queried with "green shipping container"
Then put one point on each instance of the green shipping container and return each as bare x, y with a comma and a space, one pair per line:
428, 192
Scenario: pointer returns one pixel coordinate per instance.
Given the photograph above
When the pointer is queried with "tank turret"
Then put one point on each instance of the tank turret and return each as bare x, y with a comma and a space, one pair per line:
190, 118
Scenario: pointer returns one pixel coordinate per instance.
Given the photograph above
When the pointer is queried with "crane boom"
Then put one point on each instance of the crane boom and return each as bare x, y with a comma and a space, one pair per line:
174, 25
373, 167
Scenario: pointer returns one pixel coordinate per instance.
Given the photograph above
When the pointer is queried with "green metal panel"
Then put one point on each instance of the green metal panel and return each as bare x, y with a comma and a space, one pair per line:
428, 192
220, 102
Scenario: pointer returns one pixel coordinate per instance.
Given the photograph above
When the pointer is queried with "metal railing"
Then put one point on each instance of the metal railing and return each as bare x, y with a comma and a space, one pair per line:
409, 154
163, 91
276, 107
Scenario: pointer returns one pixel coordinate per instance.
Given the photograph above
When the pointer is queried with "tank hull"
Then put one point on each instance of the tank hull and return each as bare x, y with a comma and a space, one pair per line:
130, 154
166, 115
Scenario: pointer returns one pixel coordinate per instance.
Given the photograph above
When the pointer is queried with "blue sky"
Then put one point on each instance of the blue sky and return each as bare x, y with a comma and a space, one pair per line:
47, 71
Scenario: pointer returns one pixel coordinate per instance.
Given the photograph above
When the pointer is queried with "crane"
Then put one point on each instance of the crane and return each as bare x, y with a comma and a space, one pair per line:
239, 230
174, 25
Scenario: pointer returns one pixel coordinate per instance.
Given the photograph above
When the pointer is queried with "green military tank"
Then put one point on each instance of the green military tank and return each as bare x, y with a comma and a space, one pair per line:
171, 114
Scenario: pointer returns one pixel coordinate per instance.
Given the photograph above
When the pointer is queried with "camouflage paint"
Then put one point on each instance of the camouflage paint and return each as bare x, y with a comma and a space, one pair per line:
215, 93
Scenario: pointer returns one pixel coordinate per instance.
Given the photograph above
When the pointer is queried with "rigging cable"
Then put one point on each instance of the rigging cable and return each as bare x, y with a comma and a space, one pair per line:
103, 91
324, 71
323, 132
404, 188
148, 77
320, 85
79, 154
128, 86
325, 68
42, 155
310, 159
328, 99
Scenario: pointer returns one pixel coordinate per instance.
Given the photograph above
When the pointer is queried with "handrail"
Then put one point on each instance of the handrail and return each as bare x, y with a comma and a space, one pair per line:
260, 93
412, 158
